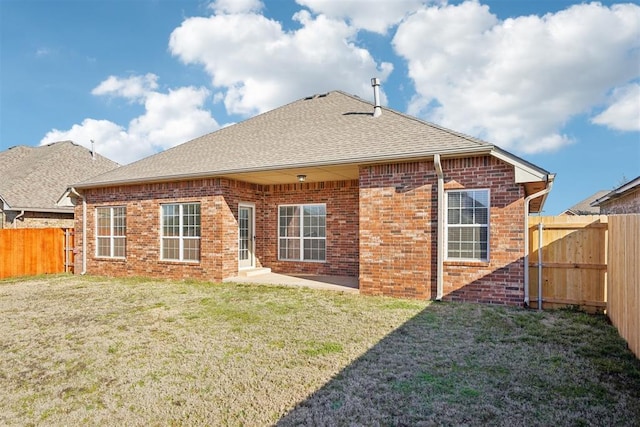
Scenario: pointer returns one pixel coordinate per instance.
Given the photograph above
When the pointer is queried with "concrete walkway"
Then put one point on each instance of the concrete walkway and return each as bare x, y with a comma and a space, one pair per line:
332, 283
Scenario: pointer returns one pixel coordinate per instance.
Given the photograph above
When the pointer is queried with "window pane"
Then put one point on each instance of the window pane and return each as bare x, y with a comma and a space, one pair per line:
290, 249
104, 221
118, 247
481, 216
191, 250
289, 221
466, 216
481, 198
454, 199
170, 249
119, 221
170, 220
314, 249
453, 216
103, 246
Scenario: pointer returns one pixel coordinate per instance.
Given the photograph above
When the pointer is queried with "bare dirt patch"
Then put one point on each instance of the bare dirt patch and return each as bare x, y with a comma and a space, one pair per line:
139, 352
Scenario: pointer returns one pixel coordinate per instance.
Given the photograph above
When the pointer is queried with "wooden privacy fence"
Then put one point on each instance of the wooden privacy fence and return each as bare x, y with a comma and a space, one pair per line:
568, 257
623, 292
30, 251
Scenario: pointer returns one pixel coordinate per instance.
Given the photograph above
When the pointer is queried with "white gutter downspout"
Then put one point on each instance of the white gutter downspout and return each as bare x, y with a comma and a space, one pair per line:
84, 230
542, 192
15, 218
440, 236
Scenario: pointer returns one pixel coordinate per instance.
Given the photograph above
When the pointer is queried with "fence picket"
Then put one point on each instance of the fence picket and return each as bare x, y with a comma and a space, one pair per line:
29, 251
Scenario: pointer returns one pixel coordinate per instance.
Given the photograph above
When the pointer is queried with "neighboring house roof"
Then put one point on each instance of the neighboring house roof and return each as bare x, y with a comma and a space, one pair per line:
33, 178
584, 207
324, 137
623, 190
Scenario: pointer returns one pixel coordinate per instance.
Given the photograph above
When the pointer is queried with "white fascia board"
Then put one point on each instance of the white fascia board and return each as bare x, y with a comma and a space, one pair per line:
65, 200
524, 171
5, 205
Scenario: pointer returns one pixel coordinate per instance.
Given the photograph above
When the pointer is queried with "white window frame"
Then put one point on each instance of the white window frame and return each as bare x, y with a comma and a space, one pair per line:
180, 237
301, 238
112, 237
486, 226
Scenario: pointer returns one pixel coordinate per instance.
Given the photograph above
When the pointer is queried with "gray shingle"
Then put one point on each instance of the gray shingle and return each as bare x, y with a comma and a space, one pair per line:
35, 177
335, 128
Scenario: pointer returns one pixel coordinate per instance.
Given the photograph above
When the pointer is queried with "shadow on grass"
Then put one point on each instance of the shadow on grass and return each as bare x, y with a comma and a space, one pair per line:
471, 364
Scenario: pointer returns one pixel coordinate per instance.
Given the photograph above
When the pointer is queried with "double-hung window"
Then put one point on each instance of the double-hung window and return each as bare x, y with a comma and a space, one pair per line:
111, 229
468, 225
180, 232
302, 231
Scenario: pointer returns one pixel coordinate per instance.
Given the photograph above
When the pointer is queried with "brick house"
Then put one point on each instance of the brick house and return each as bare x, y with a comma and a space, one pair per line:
622, 200
33, 178
326, 185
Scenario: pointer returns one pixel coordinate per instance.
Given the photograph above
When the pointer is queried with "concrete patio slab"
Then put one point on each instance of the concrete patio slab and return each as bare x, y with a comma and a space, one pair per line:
332, 283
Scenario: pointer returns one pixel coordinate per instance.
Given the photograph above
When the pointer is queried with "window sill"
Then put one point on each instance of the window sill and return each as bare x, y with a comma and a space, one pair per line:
304, 260
467, 263
178, 262
108, 258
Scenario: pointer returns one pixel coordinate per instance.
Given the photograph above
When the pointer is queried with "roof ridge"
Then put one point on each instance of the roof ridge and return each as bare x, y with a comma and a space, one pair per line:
424, 122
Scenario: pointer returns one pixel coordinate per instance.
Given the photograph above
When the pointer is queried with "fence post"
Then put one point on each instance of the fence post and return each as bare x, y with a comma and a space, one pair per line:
540, 229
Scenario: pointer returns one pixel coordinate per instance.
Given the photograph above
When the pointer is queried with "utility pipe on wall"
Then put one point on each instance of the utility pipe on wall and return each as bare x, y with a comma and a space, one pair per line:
528, 199
84, 230
440, 236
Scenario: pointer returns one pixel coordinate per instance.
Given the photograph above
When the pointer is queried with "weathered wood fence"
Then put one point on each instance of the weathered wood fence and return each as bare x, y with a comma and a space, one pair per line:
30, 251
589, 261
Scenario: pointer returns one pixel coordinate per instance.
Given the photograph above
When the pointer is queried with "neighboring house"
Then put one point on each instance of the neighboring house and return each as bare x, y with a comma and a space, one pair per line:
584, 207
33, 178
622, 200
325, 185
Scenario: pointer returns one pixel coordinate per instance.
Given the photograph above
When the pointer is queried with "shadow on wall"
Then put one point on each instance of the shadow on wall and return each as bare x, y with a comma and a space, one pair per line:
501, 286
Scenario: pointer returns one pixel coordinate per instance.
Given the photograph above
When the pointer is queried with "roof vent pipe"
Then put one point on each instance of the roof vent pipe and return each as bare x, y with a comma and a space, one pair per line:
377, 110
93, 149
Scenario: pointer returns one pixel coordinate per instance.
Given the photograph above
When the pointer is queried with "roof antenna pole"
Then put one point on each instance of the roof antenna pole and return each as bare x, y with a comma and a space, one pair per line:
93, 149
377, 110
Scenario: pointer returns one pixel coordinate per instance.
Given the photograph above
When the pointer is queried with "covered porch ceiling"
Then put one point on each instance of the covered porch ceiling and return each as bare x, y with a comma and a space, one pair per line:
290, 176
341, 173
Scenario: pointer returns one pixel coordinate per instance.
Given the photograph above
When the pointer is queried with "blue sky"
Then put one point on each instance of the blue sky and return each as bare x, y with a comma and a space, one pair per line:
555, 82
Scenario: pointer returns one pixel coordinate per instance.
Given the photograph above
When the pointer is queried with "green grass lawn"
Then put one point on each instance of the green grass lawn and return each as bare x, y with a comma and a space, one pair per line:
87, 350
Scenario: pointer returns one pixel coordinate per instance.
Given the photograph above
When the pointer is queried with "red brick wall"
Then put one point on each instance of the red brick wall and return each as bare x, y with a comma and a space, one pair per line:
341, 199
219, 199
143, 225
398, 232
501, 280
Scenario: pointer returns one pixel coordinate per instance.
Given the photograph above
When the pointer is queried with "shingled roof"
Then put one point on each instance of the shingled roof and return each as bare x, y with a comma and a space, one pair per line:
33, 178
331, 129
584, 207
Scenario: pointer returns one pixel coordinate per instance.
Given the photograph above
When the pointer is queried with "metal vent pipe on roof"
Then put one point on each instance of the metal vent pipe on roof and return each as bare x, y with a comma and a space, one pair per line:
377, 110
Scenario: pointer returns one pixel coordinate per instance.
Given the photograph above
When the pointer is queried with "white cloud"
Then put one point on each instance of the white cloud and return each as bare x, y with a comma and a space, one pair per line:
517, 82
624, 112
376, 16
169, 119
260, 66
133, 87
236, 6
